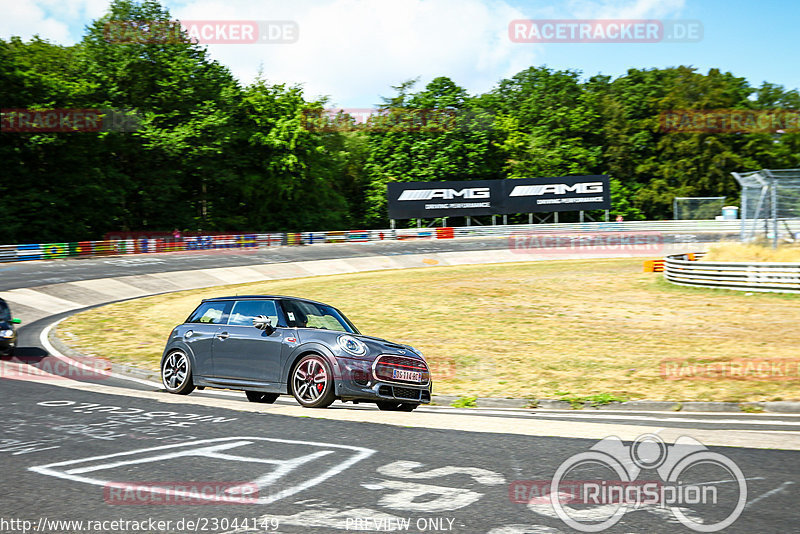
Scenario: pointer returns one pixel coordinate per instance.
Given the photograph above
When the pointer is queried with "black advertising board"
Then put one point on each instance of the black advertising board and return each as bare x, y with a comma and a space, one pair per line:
411, 200
565, 193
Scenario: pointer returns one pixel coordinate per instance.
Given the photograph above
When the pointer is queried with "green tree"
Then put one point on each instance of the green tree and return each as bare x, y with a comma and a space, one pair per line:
439, 133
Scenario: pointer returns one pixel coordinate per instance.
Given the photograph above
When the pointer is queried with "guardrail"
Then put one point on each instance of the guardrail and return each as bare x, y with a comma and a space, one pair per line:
703, 226
773, 277
47, 251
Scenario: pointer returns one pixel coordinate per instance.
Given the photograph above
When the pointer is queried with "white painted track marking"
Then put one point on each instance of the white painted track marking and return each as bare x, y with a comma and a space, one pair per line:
358, 454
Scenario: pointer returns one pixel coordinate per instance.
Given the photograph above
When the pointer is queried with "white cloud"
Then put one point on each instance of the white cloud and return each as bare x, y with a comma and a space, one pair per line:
60, 21
26, 19
354, 50
625, 9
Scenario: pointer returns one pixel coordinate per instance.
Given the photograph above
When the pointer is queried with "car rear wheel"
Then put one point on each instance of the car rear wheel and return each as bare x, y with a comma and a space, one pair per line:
260, 396
312, 382
176, 373
396, 406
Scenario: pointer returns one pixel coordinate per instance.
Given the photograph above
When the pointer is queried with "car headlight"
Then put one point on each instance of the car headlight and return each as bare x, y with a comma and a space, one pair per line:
351, 345
6, 333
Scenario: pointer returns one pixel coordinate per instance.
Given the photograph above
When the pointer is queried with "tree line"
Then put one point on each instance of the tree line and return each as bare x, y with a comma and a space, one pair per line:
211, 154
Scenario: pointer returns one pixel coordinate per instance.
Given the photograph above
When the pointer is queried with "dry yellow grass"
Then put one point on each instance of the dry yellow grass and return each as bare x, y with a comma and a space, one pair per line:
540, 329
753, 252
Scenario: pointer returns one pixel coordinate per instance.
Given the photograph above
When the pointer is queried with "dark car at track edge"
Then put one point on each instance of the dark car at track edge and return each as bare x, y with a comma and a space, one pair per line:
8, 333
269, 346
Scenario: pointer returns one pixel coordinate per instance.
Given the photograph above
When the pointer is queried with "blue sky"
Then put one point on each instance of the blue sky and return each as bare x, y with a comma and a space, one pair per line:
354, 50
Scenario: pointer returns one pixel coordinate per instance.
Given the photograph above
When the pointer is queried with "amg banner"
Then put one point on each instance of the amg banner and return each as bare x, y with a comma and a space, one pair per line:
408, 200
566, 193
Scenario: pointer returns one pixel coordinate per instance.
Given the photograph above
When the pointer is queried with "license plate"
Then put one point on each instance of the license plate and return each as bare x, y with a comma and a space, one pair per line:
412, 376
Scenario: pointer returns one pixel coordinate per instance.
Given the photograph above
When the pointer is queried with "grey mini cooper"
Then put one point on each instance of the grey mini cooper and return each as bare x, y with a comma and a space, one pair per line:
268, 346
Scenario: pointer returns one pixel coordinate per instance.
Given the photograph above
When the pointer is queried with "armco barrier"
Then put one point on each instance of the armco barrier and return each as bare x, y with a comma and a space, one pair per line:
8, 253
29, 252
771, 277
732, 227
691, 230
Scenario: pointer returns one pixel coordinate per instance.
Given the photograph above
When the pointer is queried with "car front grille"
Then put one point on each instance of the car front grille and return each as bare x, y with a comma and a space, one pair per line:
406, 393
385, 367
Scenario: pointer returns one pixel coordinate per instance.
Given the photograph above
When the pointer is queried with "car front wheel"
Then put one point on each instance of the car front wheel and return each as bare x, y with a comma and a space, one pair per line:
312, 382
176, 373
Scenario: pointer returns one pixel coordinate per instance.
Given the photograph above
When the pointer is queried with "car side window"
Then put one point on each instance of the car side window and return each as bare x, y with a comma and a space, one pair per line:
307, 315
244, 311
211, 313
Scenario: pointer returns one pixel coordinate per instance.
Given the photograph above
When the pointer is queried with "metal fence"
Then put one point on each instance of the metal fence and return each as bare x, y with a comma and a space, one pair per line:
694, 208
770, 204
693, 231
742, 276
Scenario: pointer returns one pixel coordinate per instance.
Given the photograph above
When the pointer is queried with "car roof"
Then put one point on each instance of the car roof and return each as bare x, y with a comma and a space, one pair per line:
264, 297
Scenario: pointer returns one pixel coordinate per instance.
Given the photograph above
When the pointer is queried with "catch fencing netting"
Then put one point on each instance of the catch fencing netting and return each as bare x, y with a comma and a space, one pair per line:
697, 208
770, 205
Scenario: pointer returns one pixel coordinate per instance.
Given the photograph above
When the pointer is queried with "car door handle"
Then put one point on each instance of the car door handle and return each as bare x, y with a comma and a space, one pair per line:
223, 335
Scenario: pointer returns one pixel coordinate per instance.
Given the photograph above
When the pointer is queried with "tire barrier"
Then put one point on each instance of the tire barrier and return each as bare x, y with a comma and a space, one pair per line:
693, 230
52, 251
773, 277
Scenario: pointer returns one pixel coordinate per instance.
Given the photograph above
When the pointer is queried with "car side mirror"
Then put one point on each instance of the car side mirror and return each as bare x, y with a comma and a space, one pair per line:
262, 322
15, 320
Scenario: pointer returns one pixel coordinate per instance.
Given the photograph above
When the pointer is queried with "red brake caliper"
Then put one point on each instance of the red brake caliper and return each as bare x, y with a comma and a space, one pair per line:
320, 388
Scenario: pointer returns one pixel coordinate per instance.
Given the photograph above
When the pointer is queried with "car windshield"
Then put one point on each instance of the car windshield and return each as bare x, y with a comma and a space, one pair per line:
301, 314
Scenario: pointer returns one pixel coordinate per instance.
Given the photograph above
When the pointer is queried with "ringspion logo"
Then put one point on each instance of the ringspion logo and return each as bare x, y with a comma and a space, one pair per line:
703, 490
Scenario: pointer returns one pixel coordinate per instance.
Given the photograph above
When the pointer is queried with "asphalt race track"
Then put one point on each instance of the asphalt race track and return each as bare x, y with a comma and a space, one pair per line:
27, 274
123, 456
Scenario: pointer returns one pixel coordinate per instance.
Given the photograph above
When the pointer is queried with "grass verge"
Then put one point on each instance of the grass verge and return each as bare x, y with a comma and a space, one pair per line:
753, 252
599, 329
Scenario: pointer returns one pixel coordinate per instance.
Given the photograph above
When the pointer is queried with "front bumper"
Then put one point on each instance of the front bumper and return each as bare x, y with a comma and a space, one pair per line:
8, 344
381, 391
358, 382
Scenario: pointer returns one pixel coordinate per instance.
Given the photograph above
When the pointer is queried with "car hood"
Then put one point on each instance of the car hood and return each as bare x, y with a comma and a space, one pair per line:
375, 345
388, 347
